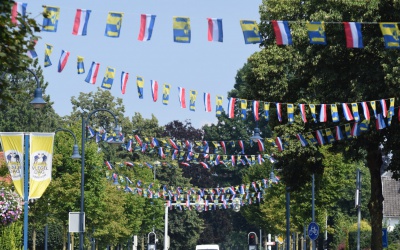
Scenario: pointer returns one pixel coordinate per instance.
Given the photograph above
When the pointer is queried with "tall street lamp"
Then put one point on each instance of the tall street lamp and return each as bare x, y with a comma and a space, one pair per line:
117, 141
37, 101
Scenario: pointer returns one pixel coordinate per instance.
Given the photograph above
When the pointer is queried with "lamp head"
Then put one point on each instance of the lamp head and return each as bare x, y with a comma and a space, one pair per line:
75, 153
256, 136
236, 204
38, 101
117, 131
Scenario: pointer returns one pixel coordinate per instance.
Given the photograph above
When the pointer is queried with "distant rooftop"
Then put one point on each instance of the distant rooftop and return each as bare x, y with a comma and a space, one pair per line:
391, 194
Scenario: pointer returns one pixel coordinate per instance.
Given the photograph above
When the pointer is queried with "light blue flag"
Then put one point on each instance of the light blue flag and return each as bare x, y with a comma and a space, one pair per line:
50, 18
251, 32
316, 32
114, 23
182, 32
108, 78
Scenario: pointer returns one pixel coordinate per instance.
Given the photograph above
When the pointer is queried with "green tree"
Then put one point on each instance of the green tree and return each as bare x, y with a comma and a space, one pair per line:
305, 73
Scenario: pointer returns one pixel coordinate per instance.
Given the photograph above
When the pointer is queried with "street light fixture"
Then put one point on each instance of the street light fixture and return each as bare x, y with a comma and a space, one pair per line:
117, 131
75, 149
38, 101
256, 136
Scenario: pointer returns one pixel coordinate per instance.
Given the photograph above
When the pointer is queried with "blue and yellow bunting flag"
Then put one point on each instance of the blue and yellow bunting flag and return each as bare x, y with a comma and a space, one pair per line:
181, 28
290, 111
114, 23
166, 91
391, 111
243, 108
251, 32
356, 114
390, 33
193, 96
140, 85
80, 65
347, 130
334, 113
329, 135
108, 78
50, 18
316, 32
218, 103
311, 138
266, 111
314, 115
47, 52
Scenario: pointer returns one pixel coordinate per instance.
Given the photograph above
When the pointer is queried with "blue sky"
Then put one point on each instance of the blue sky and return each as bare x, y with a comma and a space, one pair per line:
200, 65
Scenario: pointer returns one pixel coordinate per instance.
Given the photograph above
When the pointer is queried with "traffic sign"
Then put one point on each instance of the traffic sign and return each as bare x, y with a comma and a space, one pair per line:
313, 231
384, 238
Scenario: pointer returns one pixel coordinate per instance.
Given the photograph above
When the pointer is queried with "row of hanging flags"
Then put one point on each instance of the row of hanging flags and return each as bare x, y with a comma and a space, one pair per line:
40, 160
182, 29
188, 197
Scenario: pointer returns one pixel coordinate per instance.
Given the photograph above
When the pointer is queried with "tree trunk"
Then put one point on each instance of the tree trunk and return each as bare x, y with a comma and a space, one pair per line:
34, 239
375, 204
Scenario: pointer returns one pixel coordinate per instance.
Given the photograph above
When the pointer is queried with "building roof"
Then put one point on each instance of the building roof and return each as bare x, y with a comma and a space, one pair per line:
391, 195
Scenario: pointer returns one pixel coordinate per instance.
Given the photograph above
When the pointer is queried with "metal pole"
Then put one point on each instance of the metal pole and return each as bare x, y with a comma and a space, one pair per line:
305, 238
81, 229
313, 209
26, 190
46, 234
69, 241
358, 208
166, 228
260, 246
287, 219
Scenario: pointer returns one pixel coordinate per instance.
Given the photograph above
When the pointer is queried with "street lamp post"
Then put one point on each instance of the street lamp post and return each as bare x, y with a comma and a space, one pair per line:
37, 101
82, 210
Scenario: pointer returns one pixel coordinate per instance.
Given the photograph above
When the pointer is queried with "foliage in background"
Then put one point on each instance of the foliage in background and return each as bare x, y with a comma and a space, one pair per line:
10, 206
11, 236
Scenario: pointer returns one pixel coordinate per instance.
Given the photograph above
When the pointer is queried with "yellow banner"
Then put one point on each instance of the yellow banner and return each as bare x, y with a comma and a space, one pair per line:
13, 147
41, 158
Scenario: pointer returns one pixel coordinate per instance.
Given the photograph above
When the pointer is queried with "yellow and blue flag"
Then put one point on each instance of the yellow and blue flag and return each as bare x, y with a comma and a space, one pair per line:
290, 111
108, 78
140, 84
390, 33
47, 52
50, 18
266, 111
193, 96
181, 27
251, 32
114, 23
218, 108
80, 65
243, 107
316, 32
313, 114
166, 91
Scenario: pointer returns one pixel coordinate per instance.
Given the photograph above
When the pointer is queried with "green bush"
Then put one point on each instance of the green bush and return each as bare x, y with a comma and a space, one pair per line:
365, 236
11, 236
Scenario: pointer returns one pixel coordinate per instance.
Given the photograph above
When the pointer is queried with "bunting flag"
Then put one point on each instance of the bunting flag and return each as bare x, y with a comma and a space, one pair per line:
255, 110
47, 52
313, 114
311, 138
181, 28
215, 32
241, 145
81, 22
108, 165
384, 108
346, 112
380, 122
108, 78
166, 91
154, 90
329, 136
146, 26
334, 113
373, 106
50, 18
364, 126
323, 117
356, 115
140, 85
114, 23
279, 111
303, 112
282, 32
279, 144
243, 108
390, 33
231, 107
391, 111
161, 152
18, 10
182, 97
338, 133
193, 97
13, 148
352, 31
207, 102
355, 130
222, 143
320, 137
347, 130
266, 111
80, 65
218, 104
365, 110
32, 53
63, 60
251, 33
302, 140
92, 74
260, 145
41, 158
290, 111
124, 81
316, 32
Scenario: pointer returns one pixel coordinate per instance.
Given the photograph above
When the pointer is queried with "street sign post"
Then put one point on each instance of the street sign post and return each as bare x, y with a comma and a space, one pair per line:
313, 231
385, 242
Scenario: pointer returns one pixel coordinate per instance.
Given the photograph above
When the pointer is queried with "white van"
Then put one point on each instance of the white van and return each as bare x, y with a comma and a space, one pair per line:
207, 247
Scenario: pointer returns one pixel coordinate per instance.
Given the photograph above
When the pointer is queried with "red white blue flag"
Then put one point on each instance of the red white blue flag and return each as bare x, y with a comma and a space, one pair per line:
384, 108
320, 137
279, 111
92, 74
18, 8
109, 166
282, 32
256, 105
241, 145
366, 111
338, 133
154, 90
215, 32
182, 98
322, 113
81, 22
278, 143
353, 35
302, 140
146, 26
63, 60
231, 107
346, 112
260, 145
207, 102
303, 112
124, 81
380, 122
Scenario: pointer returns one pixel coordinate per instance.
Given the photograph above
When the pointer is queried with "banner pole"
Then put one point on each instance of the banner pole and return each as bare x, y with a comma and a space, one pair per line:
26, 188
